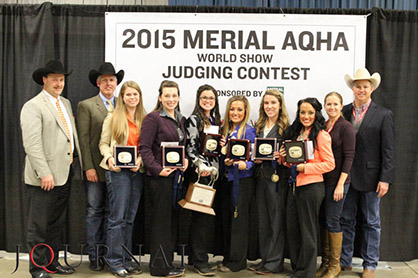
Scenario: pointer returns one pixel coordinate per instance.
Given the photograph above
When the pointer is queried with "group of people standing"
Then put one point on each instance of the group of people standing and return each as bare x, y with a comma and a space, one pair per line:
350, 169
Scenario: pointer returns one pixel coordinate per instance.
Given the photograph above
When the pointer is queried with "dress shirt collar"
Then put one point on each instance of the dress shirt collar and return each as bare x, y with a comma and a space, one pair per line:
177, 115
112, 99
51, 98
363, 107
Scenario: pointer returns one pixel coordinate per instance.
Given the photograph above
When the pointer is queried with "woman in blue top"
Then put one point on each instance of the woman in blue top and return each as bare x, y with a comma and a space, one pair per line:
236, 205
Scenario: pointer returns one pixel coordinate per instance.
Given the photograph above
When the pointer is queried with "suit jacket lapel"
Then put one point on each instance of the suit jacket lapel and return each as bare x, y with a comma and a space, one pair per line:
273, 132
100, 105
348, 112
53, 110
368, 117
172, 128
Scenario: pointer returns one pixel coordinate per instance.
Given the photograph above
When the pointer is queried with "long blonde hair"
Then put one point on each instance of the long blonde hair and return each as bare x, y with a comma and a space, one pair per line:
119, 119
282, 119
228, 123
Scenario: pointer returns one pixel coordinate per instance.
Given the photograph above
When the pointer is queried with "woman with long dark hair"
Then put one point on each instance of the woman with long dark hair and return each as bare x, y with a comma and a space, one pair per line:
124, 186
236, 188
271, 186
205, 115
164, 124
337, 183
305, 197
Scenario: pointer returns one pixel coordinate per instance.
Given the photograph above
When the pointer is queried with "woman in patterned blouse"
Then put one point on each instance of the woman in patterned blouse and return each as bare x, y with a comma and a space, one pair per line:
205, 115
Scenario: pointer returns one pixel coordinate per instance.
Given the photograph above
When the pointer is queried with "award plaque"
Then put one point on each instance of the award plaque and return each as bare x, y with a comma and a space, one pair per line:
210, 144
125, 156
238, 149
199, 198
264, 148
295, 151
172, 156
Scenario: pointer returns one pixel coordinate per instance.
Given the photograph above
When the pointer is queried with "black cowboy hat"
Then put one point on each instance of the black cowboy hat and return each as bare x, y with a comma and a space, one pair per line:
105, 68
53, 66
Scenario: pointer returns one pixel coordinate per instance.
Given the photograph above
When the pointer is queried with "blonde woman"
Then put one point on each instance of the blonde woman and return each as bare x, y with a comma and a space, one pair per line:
271, 194
124, 186
236, 188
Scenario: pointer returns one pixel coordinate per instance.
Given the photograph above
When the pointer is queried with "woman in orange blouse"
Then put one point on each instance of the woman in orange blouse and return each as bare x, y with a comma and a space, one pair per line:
305, 198
124, 186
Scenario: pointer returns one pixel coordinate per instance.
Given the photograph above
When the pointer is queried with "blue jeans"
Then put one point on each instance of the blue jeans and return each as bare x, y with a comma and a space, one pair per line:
96, 218
124, 190
330, 215
368, 203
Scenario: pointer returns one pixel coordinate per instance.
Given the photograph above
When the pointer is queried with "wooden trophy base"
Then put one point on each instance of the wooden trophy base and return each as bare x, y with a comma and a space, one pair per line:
199, 198
192, 206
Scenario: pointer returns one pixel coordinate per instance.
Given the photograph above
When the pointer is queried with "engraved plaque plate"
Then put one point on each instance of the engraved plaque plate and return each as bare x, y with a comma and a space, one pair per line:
172, 156
210, 144
264, 148
125, 156
295, 151
238, 149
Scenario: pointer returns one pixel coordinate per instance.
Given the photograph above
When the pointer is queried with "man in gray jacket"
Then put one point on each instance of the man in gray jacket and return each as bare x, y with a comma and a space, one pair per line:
90, 116
50, 141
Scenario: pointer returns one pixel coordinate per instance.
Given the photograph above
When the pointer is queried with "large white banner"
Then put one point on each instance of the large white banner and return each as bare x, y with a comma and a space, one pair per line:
238, 54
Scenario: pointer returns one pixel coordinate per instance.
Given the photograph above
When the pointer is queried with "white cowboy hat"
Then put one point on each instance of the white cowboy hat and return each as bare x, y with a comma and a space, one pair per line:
363, 74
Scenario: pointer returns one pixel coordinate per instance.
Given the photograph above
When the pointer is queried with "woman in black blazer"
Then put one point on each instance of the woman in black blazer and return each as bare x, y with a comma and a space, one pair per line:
271, 186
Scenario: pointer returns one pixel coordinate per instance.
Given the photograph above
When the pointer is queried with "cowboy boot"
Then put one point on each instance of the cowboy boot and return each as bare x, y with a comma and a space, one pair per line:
323, 268
368, 273
335, 240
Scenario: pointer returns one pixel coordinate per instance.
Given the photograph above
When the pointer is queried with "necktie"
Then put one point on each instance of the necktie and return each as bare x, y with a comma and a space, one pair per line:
110, 107
67, 130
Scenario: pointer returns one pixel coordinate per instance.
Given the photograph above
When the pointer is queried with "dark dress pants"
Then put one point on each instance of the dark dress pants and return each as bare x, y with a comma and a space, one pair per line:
46, 220
302, 227
199, 235
236, 230
271, 205
162, 223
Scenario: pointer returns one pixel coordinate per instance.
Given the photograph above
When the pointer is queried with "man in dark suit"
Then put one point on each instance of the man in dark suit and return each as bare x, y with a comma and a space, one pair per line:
90, 116
372, 170
50, 140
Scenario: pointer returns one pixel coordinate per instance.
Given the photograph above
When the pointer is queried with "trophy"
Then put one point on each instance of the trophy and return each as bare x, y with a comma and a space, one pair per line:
125, 156
295, 151
264, 148
199, 197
